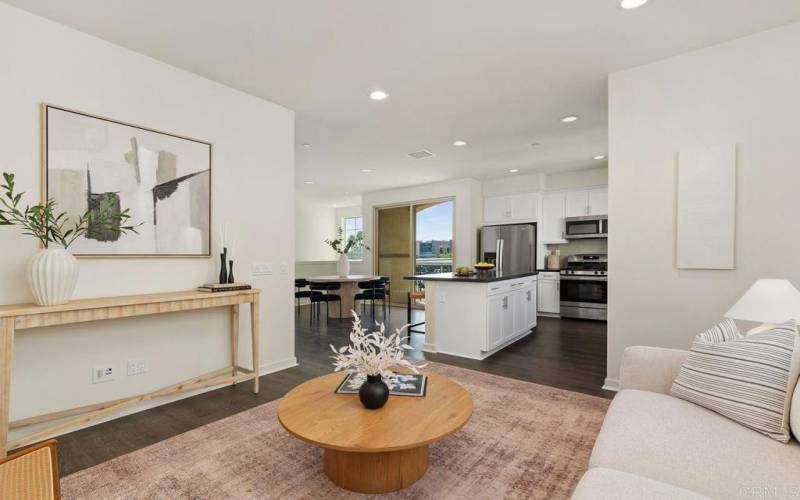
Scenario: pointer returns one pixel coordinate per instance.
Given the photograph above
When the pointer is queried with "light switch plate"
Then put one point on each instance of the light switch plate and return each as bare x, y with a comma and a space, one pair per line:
262, 269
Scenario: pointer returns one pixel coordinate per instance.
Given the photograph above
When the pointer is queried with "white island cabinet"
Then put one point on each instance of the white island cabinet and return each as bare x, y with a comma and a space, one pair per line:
477, 316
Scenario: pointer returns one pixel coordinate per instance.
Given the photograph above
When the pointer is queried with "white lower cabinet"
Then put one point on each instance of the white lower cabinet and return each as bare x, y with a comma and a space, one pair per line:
496, 313
549, 293
511, 312
530, 306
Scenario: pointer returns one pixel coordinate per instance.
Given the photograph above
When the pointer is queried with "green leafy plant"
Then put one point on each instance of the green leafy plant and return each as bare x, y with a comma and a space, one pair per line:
48, 226
342, 246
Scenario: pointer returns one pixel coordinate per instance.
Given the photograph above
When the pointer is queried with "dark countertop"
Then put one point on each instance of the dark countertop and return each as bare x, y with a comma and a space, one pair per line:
483, 277
549, 270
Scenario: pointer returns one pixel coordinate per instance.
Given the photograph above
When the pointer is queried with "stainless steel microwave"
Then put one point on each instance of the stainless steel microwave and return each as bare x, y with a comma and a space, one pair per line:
587, 226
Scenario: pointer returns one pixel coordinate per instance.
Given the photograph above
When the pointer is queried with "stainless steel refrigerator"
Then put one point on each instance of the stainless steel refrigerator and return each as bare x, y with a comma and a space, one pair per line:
511, 247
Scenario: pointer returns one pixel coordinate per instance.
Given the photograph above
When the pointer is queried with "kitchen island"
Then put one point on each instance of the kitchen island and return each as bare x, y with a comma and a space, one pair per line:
476, 316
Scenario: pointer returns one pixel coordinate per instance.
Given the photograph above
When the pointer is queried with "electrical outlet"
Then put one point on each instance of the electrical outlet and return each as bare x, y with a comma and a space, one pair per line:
102, 373
137, 366
283, 269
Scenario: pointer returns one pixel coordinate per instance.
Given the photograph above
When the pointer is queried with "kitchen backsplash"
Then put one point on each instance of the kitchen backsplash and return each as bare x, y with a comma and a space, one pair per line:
579, 246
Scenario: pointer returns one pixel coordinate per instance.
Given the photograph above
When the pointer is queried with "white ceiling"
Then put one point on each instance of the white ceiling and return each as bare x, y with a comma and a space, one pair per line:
498, 74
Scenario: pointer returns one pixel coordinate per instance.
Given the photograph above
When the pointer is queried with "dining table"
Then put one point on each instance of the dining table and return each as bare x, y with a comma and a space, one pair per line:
347, 292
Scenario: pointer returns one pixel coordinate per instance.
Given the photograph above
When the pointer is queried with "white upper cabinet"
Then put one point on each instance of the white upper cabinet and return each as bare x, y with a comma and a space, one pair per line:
552, 221
577, 203
524, 207
598, 201
510, 208
496, 209
587, 202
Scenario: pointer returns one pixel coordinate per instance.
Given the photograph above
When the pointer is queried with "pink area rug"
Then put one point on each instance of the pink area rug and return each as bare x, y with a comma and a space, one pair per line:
524, 441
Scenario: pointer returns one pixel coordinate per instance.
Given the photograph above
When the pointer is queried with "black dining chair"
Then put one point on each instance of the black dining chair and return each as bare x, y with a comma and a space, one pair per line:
371, 291
325, 295
387, 290
301, 291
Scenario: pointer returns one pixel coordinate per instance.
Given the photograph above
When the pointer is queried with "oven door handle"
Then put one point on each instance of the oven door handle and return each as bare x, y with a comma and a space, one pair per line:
602, 279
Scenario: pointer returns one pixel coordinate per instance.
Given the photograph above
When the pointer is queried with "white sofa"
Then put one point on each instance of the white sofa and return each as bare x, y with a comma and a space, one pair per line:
655, 446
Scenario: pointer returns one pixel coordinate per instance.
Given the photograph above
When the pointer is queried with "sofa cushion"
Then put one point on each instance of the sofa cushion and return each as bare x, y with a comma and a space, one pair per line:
794, 413
677, 442
608, 484
748, 379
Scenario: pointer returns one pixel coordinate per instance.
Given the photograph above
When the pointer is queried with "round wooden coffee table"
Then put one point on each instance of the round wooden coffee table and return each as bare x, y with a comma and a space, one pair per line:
374, 451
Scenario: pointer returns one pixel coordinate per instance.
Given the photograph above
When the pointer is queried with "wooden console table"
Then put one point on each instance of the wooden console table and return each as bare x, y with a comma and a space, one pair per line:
22, 316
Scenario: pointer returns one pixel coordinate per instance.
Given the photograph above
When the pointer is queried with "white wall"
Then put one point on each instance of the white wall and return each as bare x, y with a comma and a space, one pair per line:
743, 92
252, 194
577, 179
513, 184
314, 223
531, 183
468, 213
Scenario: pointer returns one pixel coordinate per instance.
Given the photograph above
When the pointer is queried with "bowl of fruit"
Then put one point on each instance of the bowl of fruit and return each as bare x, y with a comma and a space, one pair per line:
464, 271
484, 266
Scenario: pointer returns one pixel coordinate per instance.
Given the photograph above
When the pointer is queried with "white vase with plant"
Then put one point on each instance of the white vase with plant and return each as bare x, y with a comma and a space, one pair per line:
371, 359
53, 271
343, 246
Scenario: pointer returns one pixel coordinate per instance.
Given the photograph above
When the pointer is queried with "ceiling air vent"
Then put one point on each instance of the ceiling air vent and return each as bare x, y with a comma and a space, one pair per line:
421, 155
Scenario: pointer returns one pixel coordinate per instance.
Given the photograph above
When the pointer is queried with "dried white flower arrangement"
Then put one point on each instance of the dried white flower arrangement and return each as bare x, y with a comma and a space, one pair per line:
373, 353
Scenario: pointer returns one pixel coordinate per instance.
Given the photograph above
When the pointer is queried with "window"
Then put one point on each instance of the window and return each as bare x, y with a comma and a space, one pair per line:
354, 226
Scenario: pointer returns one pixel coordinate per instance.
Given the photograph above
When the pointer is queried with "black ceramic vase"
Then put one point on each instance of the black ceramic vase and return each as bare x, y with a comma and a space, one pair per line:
223, 269
373, 393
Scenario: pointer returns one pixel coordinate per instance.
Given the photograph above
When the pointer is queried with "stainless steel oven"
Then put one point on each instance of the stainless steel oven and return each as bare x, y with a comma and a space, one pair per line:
584, 287
589, 226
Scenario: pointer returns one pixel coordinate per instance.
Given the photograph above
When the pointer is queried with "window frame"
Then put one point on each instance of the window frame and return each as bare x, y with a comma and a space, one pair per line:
357, 227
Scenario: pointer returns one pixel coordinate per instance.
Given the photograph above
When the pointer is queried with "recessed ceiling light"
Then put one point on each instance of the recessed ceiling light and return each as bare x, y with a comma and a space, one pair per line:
513, 170
308, 182
378, 95
367, 170
306, 145
632, 4
459, 143
600, 157
570, 118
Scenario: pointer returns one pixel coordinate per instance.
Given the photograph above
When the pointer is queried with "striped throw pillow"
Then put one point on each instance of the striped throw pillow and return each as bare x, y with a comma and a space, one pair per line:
747, 379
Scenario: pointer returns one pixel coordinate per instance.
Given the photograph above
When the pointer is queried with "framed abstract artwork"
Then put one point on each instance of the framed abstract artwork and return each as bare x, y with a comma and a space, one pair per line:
163, 179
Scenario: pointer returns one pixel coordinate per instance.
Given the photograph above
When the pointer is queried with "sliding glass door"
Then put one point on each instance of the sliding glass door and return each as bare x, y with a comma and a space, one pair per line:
415, 238
433, 230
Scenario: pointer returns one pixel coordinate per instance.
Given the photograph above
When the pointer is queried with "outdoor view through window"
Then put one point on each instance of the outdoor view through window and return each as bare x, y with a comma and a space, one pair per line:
434, 238
353, 226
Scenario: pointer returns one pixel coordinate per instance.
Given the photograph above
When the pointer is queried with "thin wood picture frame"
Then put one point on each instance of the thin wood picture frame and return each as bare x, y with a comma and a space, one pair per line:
46, 191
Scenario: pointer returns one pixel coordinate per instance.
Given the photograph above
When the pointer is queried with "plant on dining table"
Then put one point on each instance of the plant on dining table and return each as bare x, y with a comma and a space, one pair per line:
343, 246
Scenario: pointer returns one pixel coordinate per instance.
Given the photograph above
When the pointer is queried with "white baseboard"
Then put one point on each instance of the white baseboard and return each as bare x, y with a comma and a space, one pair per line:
426, 347
276, 366
611, 384
271, 367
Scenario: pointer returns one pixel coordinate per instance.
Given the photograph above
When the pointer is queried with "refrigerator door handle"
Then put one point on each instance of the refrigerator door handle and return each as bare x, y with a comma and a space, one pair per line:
501, 244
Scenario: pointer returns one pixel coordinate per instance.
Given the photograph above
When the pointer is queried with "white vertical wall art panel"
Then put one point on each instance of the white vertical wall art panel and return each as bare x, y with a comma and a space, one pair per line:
706, 208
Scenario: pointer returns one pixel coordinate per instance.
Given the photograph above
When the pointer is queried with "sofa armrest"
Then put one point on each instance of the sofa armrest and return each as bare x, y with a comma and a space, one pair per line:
650, 368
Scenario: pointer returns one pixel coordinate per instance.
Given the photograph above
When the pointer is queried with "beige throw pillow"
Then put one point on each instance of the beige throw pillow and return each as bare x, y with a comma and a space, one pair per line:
748, 379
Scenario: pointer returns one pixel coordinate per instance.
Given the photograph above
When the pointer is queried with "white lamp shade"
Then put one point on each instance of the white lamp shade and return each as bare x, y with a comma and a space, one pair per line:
768, 301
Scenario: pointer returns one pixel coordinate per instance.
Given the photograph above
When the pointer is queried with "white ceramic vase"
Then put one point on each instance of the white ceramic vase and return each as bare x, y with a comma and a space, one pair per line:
343, 266
52, 276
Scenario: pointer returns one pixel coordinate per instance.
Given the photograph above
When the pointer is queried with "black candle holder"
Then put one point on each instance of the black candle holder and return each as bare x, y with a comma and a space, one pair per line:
223, 269
230, 272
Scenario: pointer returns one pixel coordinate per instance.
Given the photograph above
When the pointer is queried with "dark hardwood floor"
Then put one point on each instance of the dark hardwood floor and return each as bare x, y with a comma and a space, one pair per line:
569, 354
